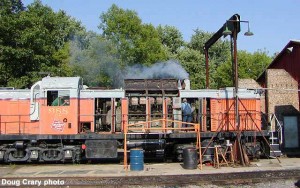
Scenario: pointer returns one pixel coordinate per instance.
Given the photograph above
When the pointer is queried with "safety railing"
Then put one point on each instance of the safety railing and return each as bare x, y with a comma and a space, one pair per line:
142, 127
277, 129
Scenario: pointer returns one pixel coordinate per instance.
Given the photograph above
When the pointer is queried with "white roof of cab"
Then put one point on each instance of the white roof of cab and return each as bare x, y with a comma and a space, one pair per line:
60, 83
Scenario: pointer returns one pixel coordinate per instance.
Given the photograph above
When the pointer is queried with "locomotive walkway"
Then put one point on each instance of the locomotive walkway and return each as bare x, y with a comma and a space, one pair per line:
155, 174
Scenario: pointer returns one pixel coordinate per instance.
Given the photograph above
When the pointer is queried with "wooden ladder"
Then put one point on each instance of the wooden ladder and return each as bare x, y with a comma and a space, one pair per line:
223, 155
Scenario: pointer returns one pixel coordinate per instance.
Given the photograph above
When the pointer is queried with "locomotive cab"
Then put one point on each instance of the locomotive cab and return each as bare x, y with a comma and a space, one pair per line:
59, 105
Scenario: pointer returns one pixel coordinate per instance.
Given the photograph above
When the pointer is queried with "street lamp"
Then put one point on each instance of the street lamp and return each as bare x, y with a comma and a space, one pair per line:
232, 28
228, 31
248, 33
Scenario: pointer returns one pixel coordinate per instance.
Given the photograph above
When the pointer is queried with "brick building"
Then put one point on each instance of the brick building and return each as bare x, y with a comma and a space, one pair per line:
281, 83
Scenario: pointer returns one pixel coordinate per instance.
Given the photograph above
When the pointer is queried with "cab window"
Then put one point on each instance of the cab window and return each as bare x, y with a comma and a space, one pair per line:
58, 98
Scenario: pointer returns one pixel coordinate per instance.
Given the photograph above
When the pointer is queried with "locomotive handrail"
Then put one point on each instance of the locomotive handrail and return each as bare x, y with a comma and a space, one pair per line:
165, 121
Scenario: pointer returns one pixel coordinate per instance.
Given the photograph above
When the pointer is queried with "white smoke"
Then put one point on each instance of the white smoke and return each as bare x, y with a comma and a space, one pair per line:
168, 69
95, 62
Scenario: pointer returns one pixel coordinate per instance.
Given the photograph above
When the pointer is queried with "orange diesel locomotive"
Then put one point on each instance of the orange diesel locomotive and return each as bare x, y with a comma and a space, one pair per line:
59, 119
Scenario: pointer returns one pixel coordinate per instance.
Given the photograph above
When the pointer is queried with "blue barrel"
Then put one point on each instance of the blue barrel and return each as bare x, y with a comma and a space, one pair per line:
136, 159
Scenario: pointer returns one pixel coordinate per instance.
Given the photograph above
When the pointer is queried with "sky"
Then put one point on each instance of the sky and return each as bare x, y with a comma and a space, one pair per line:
273, 22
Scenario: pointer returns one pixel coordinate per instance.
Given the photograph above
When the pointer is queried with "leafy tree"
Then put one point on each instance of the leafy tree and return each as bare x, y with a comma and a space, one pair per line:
36, 35
250, 65
136, 43
63, 57
194, 64
11, 7
9, 13
95, 59
219, 53
171, 38
36, 39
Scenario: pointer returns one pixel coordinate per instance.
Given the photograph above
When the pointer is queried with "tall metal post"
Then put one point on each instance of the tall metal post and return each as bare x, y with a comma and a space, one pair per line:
236, 81
235, 18
232, 28
207, 68
236, 87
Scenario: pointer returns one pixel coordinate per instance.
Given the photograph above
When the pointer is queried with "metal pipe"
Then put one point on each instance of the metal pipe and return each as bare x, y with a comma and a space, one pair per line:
207, 68
233, 23
236, 85
237, 122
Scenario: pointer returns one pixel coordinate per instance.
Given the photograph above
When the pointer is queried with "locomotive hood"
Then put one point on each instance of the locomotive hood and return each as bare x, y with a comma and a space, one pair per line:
61, 83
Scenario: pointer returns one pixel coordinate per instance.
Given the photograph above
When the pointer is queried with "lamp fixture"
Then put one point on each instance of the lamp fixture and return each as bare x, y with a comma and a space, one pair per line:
290, 49
248, 33
227, 31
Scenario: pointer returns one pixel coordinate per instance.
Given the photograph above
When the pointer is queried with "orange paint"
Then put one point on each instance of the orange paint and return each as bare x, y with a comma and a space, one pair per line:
59, 119
223, 114
124, 103
15, 117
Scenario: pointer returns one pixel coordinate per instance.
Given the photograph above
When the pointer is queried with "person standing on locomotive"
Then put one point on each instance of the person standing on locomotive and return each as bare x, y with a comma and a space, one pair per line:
186, 112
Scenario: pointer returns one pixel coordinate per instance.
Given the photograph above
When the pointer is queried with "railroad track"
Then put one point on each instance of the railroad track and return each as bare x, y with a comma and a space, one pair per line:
218, 179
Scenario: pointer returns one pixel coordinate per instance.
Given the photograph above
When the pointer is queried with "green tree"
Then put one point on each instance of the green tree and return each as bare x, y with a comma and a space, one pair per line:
194, 64
9, 13
219, 53
136, 43
37, 34
250, 65
95, 59
171, 38
11, 7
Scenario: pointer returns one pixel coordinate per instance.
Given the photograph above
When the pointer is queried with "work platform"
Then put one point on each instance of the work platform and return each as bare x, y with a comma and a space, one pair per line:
75, 174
